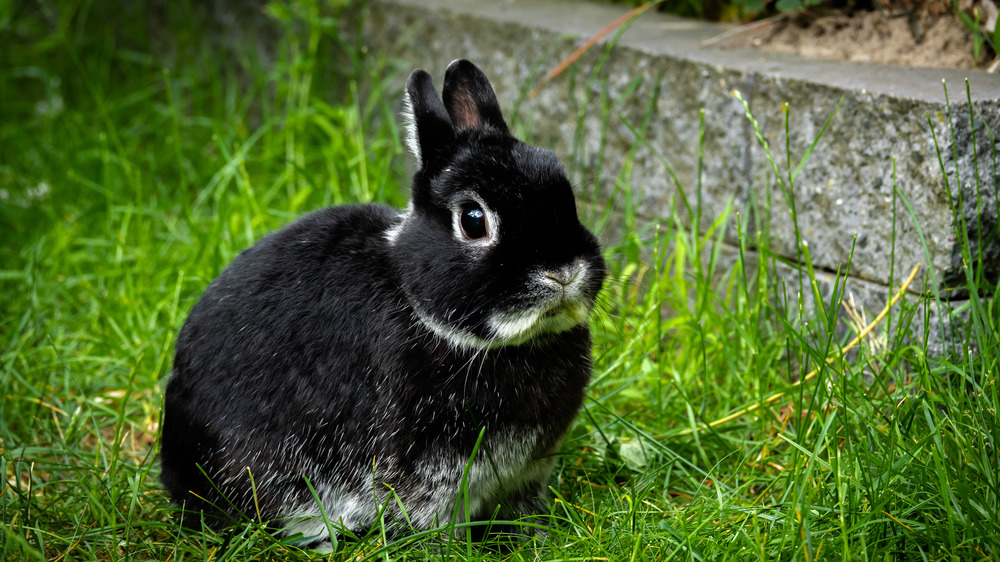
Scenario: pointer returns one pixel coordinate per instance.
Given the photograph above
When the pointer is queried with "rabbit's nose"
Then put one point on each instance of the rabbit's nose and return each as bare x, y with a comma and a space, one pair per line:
565, 276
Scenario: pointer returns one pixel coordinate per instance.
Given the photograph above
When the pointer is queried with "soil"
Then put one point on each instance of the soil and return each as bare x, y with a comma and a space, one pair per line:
928, 34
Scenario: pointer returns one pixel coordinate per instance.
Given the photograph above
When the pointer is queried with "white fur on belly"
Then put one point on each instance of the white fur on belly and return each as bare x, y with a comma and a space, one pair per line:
505, 464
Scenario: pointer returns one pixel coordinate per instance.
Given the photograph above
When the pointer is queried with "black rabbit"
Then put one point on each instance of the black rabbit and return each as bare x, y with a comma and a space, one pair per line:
368, 350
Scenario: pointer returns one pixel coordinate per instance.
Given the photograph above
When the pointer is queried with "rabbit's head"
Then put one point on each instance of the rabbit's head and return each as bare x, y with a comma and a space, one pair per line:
490, 251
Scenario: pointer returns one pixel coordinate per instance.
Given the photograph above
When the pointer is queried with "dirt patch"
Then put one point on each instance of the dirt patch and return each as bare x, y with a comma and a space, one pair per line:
926, 36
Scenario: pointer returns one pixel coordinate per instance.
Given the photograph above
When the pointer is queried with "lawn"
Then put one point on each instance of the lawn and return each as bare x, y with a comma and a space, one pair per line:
143, 147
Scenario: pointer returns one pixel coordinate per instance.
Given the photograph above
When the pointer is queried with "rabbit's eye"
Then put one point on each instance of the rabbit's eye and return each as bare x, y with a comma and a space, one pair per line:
473, 222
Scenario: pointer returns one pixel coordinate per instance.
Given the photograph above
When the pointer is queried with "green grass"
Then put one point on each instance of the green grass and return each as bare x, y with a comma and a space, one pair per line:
134, 169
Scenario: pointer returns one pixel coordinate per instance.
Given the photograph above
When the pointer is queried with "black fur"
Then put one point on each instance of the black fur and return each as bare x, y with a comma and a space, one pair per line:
354, 348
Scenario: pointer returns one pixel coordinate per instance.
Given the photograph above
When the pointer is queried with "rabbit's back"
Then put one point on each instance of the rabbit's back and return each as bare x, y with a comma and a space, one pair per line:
301, 295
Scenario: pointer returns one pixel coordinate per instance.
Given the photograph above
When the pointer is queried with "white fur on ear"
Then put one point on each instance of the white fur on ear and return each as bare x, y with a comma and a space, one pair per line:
410, 123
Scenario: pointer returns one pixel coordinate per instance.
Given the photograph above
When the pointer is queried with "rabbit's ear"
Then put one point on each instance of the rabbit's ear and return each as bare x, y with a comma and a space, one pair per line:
429, 132
470, 99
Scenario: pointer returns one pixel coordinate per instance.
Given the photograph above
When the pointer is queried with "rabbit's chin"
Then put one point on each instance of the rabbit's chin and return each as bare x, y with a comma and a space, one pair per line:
514, 328
520, 327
